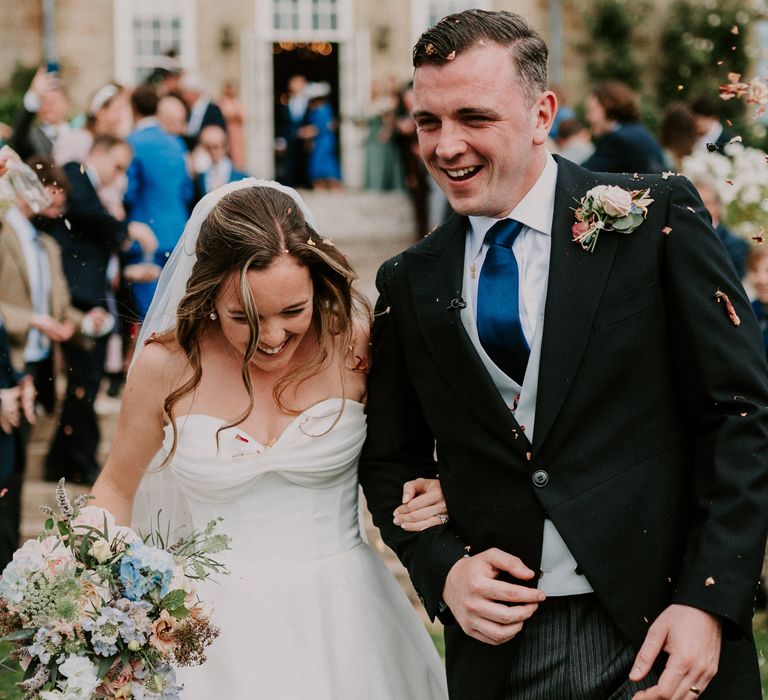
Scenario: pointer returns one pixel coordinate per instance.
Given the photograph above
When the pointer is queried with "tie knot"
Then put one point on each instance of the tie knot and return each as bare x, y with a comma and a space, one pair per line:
504, 232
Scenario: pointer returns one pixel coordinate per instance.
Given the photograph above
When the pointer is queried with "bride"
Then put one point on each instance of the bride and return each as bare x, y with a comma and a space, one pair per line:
245, 400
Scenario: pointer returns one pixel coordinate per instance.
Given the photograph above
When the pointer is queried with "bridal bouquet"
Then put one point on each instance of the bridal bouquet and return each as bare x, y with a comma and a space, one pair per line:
95, 611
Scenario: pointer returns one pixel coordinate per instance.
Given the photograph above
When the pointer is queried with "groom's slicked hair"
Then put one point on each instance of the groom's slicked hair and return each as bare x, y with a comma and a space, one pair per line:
463, 30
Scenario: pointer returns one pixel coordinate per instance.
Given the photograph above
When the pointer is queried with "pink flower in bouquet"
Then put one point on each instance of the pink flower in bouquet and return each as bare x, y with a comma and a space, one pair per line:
579, 228
162, 633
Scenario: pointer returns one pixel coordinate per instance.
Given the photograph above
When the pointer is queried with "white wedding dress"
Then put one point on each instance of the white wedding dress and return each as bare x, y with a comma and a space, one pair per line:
308, 610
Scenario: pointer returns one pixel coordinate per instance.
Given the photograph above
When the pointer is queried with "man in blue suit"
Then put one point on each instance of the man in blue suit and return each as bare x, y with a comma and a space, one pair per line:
159, 188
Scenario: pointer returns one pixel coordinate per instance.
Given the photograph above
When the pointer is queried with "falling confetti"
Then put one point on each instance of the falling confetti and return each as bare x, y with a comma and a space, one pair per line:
666, 230
735, 30
362, 364
242, 438
667, 174
735, 320
450, 56
759, 237
311, 242
709, 581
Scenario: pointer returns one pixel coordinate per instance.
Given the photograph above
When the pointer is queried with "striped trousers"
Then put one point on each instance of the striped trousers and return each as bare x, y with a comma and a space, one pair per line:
571, 650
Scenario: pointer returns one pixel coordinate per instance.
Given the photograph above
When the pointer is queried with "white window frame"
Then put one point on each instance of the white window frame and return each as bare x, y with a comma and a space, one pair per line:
303, 29
127, 61
425, 13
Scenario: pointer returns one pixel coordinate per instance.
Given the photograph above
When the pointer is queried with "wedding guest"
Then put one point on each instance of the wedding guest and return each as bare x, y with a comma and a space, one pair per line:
173, 115
290, 148
42, 118
248, 397
87, 237
710, 132
233, 110
622, 143
757, 276
416, 177
34, 295
159, 190
109, 112
17, 399
202, 110
383, 167
597, 409
323, 168
677, 134
574, 141
213, 140
737, 247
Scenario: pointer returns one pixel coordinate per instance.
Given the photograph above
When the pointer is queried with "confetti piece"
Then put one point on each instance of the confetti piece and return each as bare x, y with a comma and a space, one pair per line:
735, 139
729, 182
328, 241
680, 87
666, 230
311, 242
382, 313
450, 56
743, 414
759, 237
735, 30
362, 364
242, 438
709, 581
735, 320
528, 455
667, 174
3, 492
728, 122
691, 209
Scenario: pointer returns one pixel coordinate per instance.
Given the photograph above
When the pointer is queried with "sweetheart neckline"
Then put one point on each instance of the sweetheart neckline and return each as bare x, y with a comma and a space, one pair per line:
222, 421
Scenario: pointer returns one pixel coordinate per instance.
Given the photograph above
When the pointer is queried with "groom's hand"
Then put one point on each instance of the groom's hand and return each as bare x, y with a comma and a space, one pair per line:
480, 602
692, 639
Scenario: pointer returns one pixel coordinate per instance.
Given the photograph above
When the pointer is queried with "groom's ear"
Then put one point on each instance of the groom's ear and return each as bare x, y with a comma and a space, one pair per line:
543, 111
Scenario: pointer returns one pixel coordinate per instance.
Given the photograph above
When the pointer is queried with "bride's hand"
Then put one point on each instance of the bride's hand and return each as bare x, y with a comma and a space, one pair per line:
423, 506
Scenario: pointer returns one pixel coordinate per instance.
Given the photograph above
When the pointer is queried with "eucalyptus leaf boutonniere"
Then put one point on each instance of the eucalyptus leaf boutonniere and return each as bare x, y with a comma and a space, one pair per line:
608, 208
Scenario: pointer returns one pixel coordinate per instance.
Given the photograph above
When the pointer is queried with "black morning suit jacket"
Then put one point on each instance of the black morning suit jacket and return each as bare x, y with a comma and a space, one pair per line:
92, 235
651, 425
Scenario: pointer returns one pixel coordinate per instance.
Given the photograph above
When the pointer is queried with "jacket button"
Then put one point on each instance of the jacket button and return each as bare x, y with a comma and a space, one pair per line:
540, 478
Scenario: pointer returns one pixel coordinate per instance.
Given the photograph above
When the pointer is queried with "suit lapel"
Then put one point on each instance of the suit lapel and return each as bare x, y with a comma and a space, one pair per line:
435, 271
576, 282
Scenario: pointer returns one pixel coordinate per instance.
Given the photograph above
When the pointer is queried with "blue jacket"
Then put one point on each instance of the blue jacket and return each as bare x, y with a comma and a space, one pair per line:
629, 149
159, 188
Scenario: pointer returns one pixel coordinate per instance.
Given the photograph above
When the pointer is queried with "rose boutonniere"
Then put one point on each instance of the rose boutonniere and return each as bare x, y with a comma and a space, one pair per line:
608, 208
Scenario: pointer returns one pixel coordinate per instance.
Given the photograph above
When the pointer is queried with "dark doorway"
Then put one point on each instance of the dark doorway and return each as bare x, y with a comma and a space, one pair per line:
318, 62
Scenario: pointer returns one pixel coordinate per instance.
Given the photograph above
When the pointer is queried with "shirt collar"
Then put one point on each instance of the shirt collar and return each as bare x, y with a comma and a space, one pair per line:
535, 210
21, 224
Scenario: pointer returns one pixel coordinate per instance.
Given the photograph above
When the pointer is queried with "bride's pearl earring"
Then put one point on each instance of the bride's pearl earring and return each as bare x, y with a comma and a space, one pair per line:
213, 315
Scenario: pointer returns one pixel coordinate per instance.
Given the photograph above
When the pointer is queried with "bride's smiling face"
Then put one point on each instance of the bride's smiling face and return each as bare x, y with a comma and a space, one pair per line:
283, 295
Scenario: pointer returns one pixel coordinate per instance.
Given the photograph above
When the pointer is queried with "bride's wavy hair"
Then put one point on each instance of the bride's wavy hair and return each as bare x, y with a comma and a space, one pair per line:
249, 229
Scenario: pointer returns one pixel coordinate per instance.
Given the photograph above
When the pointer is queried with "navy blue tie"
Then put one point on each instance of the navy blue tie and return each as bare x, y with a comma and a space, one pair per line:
498, 305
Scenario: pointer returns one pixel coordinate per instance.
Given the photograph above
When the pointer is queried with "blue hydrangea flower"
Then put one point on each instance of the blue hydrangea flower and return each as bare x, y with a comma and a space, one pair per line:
144, 569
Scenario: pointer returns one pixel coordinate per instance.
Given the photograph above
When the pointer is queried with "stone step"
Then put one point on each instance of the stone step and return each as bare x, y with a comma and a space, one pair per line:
349, 214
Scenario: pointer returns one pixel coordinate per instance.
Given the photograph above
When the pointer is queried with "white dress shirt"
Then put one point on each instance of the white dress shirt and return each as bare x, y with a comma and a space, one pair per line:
532, 251
38, 345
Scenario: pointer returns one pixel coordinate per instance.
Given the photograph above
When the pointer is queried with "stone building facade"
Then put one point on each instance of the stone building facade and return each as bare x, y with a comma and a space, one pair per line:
257, 44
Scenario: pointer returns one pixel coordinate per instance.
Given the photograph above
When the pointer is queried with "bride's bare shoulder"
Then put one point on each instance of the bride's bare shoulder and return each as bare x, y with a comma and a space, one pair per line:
159, 364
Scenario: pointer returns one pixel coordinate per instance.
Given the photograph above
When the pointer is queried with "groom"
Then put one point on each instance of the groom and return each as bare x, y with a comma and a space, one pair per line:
597, 417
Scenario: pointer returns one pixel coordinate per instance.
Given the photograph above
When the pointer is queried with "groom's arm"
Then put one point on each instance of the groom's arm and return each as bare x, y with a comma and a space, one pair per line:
400, 447
723, 377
